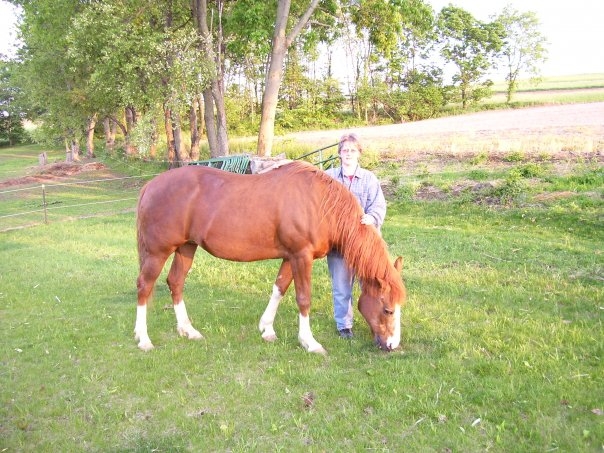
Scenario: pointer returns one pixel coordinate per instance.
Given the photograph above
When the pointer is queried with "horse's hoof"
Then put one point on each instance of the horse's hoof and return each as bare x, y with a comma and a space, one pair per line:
190, 333
145, 346
267, 332
315, 349
269, 337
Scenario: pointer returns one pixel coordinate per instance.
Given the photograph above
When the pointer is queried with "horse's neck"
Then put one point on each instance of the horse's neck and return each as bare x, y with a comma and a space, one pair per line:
366, 254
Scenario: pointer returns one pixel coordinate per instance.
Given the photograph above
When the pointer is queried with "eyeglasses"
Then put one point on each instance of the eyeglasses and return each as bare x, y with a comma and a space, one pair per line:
349, 150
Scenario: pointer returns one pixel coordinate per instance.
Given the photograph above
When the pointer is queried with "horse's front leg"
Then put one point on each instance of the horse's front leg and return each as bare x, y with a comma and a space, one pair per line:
183, 259
302, 270
282, 282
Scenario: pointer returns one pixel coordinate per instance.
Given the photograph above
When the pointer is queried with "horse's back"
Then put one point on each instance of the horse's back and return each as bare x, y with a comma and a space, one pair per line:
233, 216
174, 189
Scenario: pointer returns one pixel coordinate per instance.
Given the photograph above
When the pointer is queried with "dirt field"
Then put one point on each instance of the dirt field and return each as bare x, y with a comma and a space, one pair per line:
574, 128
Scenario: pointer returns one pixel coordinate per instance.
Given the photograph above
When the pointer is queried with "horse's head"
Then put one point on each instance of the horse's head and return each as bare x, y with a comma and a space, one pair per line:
380, 305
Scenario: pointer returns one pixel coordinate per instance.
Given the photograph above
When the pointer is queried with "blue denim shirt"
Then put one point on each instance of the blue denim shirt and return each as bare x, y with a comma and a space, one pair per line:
366, 188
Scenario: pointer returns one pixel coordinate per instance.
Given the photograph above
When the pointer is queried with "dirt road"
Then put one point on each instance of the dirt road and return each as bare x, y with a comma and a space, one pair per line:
550, 129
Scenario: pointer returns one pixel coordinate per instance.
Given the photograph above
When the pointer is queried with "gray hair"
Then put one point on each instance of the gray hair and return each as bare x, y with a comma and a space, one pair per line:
352, 138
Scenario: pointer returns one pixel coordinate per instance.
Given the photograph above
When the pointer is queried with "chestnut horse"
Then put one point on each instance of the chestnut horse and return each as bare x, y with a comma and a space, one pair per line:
296, 213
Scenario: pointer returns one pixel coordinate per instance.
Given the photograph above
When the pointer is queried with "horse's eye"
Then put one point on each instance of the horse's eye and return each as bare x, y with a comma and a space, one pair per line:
388, 312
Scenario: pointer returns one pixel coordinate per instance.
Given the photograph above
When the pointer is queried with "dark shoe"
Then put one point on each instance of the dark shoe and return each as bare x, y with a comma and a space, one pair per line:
346, 333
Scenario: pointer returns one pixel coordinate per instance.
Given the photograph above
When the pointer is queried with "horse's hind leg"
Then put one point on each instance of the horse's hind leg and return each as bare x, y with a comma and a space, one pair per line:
151, 267
284, 279
183, 259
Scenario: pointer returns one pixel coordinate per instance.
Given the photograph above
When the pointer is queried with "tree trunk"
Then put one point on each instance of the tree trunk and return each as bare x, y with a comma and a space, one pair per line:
109, 128
72, 150
202, 116
273, 81
170, 137
154, 138
195, 129
130, 122
181, 157
90, 137
213, 96
281, 42
208, 107
68, 153
221, 131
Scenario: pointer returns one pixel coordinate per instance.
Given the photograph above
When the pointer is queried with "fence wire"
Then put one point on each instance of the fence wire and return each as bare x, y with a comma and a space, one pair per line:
31, 205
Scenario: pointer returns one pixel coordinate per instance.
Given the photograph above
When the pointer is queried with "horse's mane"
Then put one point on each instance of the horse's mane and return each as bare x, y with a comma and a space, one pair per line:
362, 247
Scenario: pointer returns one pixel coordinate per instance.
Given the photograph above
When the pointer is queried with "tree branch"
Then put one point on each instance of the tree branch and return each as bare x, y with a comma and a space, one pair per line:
301, 23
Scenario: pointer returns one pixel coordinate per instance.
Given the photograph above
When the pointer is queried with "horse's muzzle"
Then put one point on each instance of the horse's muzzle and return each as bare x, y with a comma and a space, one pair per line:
382, 344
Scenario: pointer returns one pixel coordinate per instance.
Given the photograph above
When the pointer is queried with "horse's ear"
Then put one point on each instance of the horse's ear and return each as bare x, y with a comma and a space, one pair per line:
398, 264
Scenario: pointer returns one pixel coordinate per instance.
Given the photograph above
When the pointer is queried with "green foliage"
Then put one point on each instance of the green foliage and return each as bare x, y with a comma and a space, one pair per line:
425, 95
471, 46
82, 59
480, 158
531, 170
587, 179
524, 47
514, 156
479, 175
11, 115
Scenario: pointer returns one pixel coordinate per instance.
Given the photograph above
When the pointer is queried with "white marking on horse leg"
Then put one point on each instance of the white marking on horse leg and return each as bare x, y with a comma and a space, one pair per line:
183, 323
394, 341
268, 317
140, 329
305, 337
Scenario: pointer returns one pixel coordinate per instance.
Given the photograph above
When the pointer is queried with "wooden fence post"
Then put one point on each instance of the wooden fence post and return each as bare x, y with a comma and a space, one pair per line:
44, 204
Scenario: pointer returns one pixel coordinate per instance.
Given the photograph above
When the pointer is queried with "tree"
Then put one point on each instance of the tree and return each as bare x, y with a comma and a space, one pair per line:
53, 83
388, 38
523, 48
129, 59
213, 94
472, 46
281, 42
11, 121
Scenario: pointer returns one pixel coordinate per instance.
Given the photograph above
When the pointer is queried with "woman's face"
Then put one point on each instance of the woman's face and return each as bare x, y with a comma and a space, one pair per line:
349, 153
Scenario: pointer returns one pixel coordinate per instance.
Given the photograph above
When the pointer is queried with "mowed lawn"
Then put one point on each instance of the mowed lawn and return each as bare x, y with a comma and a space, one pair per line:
501, 351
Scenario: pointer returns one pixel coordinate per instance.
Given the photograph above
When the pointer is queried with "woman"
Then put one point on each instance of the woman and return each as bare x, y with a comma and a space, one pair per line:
366, 188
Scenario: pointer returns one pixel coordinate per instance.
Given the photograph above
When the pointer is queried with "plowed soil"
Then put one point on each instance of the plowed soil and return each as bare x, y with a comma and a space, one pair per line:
577, 128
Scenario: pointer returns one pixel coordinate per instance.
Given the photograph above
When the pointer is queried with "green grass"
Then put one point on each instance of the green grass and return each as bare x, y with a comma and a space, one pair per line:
18, 161
561, 89
570, 82
502, 336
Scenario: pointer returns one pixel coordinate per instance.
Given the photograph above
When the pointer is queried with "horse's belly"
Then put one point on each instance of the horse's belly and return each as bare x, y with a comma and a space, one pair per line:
240, 250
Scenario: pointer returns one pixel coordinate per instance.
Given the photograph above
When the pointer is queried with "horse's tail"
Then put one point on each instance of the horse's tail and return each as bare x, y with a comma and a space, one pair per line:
140, 240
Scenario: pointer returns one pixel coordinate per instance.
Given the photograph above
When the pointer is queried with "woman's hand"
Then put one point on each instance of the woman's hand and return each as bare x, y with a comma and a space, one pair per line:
367, 220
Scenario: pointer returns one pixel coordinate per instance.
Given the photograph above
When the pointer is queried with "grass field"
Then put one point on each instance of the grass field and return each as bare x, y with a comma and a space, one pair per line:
548, 90
502, 335
570, 82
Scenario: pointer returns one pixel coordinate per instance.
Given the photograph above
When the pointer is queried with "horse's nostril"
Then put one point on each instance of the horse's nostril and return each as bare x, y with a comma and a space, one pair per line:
382, 344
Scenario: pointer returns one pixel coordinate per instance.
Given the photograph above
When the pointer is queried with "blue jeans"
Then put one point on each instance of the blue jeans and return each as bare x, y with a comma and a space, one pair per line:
342, 281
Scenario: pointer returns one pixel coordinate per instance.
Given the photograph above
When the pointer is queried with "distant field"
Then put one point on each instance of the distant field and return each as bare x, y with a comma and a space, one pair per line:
571, 82
563, 89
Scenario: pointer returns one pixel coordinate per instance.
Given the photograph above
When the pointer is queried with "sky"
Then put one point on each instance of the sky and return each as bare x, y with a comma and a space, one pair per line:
573, 30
